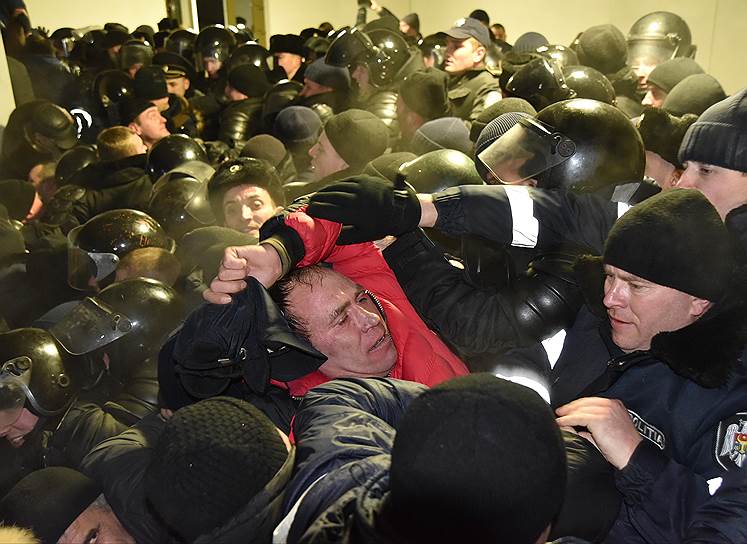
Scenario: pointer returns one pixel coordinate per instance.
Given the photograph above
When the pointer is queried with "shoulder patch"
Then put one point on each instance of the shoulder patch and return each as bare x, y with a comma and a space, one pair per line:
648, 431
731, 441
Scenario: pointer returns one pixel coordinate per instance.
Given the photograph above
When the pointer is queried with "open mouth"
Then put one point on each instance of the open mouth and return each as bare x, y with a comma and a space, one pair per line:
17, 441
380, 342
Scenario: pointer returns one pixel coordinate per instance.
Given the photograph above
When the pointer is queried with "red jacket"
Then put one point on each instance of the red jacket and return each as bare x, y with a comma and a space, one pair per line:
421, 355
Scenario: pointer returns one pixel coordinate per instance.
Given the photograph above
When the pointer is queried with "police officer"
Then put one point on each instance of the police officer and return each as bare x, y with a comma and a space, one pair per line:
472, 87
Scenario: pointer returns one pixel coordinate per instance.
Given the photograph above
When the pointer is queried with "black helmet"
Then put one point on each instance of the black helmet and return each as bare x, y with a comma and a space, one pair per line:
182, 42
439, 170
36, 373
96, 247
73, 161
135, 52
579, 144
657, 37
243, 171
433, 47
315, 47
564, 56
251, 53
392, 60
179, 199
278, 97
350, 47
214, 41
64, 40
111, 89
129, 321
171, 151
540, 82
589, 83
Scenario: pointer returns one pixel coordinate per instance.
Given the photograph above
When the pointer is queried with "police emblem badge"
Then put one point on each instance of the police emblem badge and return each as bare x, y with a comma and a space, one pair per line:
731, 441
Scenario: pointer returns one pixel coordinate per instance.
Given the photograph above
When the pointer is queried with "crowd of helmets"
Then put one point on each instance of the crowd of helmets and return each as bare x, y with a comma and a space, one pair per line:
134, 158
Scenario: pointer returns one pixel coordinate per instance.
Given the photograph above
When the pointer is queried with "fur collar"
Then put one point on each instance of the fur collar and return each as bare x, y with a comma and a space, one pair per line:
706, 351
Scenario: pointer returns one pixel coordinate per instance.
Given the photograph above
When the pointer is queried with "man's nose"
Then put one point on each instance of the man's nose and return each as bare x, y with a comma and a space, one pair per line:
366, 320
687, 179
614, 295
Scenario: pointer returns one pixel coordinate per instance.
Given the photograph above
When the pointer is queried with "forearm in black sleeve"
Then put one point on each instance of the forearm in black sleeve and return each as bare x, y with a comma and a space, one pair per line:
526, 217
473, 320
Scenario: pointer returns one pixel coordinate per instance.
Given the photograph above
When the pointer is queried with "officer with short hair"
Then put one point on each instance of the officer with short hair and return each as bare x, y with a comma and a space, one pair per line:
472, 87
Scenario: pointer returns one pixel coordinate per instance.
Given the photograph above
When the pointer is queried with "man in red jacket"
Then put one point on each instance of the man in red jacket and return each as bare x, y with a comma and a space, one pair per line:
354, 313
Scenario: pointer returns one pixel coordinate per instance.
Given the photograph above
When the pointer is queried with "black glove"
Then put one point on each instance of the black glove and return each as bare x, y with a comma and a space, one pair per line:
368, 207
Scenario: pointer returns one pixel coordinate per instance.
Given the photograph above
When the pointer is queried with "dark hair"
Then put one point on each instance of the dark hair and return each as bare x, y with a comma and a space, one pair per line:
280, 293
481, 15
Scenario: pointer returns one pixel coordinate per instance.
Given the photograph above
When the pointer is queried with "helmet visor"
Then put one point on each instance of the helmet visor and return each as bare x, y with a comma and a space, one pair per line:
83, 267
13, 390
525, 151
649, 52
89, 326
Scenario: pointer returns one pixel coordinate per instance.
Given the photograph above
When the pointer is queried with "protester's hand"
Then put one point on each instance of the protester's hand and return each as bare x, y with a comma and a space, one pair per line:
261, 262
610, 427
167, 413
369, 208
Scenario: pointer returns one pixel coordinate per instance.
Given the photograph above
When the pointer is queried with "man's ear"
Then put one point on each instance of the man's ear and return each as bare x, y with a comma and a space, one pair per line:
187, 84
675, 176
134, 127
699, 306
479, 54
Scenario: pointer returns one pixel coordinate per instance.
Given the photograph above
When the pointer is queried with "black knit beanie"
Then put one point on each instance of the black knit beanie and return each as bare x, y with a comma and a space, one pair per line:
210, 460
477, 459
358, 136
443, 133
335, 77
662, 133
602, 47
297, 124
150, 83
669, 73
509, 104
719, 136
425, 93
694, 94
48, 500
250, 80
676, 239
264, 147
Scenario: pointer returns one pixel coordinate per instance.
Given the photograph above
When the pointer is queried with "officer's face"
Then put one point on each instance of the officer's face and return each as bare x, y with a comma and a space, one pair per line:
639, 309
655, 96
15, 431
178, 86
150, 126
462, 55
289, 62
312, 88
361, 76
212, 66
726, 189
96, 524
247, 207
325, 159
345, 325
